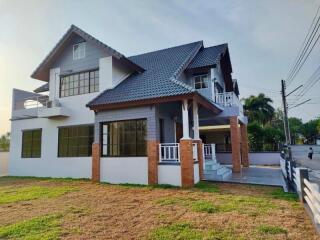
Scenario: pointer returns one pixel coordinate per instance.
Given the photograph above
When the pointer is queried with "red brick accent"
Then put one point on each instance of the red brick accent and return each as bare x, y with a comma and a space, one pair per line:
96, 162
235, 144
186, 159
153, 159
200, 157
244, 145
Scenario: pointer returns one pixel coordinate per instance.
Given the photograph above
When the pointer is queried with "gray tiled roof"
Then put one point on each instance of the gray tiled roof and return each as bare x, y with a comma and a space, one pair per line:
208, 56
42, 88
159, 78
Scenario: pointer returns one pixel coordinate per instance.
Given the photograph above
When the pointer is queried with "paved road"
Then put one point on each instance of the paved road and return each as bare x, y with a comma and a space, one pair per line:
300, 155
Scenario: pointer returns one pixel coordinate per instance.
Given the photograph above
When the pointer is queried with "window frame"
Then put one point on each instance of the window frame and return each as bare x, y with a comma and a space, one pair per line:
32, 147
77, 137
77, 56
80, 79
125, 120
202, 82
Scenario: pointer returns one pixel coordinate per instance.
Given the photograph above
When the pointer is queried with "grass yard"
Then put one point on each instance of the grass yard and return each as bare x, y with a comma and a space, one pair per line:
48, 209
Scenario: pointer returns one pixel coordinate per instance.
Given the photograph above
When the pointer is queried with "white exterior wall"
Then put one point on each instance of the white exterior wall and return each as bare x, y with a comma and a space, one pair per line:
169, 174
196, 173
124, 170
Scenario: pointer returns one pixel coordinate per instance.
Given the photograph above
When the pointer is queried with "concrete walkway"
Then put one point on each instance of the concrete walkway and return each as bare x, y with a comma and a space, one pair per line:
270, 176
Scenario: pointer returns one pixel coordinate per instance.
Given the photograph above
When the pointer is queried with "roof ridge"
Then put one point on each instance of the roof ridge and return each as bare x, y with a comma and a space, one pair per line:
184, 65
163, 49
222, 44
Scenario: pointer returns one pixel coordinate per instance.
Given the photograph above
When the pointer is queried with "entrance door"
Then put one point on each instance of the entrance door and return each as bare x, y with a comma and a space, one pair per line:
179, 132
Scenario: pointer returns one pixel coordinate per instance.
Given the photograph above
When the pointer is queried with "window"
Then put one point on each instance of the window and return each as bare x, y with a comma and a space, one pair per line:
75, 141
124, 138
31, 143
79, 51
201, 81
161, 125
79, 83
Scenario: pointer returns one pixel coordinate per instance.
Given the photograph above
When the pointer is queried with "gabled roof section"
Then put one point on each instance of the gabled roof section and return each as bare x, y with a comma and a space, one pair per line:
207, 57
159, 80
42, 88
42, 71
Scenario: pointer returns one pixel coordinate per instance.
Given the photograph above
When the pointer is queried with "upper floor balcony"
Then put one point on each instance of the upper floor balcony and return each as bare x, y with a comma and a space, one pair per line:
229, 99
31, 105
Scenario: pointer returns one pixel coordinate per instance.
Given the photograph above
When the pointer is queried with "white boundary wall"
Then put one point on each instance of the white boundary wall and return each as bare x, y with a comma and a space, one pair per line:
124, 170
4, 157
169, 174
258, 158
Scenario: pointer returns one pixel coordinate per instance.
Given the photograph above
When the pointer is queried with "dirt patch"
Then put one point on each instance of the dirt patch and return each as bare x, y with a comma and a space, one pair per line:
102, 211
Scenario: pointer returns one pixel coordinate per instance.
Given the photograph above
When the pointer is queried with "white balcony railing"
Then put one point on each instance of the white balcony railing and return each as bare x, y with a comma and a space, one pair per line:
195, 151
169, 152
227, 99
27, 104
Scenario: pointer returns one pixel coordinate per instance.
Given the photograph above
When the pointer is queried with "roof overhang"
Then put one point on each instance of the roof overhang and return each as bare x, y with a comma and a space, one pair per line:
144, 102
42, 71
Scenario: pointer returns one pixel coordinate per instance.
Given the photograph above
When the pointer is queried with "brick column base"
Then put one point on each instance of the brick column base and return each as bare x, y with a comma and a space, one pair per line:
95, 162
235, 144
244, 145
153, 159
186, 159
200, 157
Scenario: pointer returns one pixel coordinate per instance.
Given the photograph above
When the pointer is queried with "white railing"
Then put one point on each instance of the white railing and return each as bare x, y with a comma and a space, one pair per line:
209, 151
34, 102
195, 151
312, 198
169, 152
228, 99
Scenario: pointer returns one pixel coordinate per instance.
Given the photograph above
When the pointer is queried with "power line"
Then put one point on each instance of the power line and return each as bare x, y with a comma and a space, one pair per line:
303, 49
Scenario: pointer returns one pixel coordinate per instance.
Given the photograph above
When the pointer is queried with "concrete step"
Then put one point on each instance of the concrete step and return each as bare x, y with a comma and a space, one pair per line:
221, 173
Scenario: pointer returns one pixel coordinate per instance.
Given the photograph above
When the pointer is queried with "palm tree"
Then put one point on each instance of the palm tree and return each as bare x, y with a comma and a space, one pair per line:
259, 108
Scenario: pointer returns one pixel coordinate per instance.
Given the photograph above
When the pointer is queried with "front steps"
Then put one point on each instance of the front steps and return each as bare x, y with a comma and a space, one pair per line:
214, 171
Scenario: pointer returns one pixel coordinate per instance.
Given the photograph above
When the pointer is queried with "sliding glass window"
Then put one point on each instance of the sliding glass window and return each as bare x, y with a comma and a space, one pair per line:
31, 143
124, 138
75, 141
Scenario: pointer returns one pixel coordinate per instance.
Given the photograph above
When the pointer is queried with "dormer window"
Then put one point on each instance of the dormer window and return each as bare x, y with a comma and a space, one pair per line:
79, 50
201, 81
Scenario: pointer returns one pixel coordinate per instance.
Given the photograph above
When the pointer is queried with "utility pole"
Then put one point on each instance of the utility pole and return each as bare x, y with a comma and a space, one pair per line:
285, 112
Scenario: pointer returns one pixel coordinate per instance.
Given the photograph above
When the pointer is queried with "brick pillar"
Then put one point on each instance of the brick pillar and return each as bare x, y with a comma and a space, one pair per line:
235, 144
186, 159
200, 157
95, 162
153, 159
244, 145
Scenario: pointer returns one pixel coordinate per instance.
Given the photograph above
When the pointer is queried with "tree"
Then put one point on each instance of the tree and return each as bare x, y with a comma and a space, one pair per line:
259, 108
5, 142
311, 129
296, 126
255, 136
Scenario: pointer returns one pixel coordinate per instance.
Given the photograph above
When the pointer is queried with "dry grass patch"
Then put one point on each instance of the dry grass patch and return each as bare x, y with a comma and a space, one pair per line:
105, 211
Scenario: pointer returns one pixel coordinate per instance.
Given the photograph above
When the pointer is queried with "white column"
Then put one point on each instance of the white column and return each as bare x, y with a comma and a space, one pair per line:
185, 119
196, 134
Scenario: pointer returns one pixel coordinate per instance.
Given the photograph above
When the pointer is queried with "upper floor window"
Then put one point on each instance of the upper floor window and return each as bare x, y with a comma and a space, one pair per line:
201, 81
79, 50
79, 83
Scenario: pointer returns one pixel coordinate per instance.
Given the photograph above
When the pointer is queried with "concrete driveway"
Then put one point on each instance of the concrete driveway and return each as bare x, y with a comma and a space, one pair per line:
300, 155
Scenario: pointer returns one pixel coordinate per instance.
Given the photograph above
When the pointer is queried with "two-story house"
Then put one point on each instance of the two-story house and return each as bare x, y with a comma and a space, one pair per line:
147, 119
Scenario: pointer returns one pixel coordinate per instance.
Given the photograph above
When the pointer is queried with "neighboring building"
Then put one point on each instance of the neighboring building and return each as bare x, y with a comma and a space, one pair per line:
136, 119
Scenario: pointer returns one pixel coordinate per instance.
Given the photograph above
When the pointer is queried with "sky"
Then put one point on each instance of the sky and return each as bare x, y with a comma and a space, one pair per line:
263, 36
